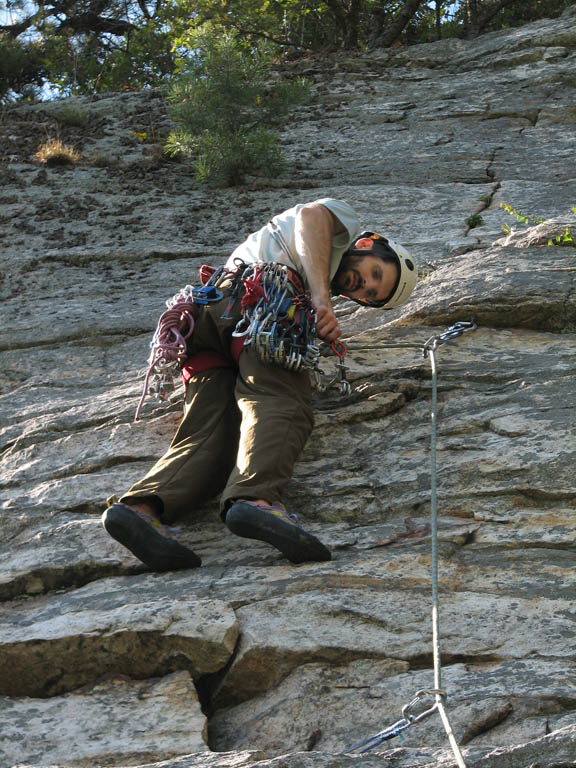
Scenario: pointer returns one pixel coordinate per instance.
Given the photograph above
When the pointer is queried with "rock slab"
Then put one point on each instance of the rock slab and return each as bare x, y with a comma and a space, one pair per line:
250, 661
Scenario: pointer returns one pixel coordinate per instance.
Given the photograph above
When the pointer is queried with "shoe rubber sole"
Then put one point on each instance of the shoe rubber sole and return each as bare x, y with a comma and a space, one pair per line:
158, 552
251, 522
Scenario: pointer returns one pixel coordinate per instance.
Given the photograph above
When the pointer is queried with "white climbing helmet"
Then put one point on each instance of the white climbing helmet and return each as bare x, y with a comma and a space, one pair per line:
389, 250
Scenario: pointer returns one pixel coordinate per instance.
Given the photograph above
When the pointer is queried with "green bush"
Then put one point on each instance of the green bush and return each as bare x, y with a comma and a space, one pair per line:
225, 161
227, 111
475, 220
21, 67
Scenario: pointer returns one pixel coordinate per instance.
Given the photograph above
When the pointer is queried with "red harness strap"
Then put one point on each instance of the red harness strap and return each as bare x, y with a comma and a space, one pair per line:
203, 361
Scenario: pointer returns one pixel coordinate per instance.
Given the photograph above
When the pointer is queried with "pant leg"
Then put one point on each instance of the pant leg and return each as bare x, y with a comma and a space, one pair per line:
203, 452
198, 462
276, 422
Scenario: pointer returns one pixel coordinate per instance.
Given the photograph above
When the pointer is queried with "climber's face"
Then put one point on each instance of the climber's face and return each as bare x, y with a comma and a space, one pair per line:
366, 278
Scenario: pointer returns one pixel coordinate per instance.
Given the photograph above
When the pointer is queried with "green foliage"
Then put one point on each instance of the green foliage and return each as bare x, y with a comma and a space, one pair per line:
86, 64
226, 110
225, 161
94, 47
565, 239
475, 220
290, 25
522, 218
527, 10
21, 67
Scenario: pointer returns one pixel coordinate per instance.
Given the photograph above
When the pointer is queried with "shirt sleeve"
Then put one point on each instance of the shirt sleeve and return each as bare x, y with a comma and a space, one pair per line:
276, 241
345, 214
348, 217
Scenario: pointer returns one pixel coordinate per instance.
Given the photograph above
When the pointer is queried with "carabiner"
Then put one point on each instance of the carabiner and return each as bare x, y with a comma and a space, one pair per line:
427, 712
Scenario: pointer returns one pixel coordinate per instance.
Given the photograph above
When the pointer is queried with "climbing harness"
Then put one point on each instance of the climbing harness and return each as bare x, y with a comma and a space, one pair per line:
410, 713
278, 321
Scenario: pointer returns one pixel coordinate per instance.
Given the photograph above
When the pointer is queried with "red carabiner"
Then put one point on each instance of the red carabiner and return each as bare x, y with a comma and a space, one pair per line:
339, 348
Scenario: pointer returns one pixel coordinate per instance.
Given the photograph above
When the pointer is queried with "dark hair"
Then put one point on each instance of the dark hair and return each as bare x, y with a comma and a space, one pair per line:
380, 248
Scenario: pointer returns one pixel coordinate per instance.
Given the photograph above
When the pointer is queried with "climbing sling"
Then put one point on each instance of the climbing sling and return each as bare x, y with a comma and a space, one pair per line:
278, 321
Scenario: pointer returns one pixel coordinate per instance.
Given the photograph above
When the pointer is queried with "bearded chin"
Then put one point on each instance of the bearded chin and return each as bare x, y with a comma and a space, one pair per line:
337, 286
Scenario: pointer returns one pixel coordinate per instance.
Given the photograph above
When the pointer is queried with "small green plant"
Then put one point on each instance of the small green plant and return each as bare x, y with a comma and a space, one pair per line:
520, 217
227, 112
565, 240
475, 220
55, 153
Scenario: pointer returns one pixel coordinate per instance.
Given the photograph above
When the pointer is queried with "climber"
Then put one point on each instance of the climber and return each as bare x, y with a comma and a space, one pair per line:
245, 420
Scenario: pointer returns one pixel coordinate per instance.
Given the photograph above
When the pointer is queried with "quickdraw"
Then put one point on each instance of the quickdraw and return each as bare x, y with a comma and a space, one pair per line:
341, 378
408, 718
279, 322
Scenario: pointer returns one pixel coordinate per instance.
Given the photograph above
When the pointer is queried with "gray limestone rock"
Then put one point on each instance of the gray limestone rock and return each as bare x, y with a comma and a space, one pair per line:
108, 722
135, 626
464, 152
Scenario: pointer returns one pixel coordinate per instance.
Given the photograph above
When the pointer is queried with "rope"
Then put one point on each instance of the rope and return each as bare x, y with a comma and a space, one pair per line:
435, 590
408, 716
168, 344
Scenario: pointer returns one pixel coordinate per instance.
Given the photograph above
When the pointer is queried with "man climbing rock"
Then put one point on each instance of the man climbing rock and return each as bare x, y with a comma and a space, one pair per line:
247, 413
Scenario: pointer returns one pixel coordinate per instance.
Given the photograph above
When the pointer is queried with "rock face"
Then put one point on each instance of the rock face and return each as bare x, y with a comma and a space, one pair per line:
250, 660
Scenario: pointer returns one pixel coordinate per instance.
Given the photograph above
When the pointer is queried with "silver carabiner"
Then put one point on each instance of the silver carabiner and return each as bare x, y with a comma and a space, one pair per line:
406, 714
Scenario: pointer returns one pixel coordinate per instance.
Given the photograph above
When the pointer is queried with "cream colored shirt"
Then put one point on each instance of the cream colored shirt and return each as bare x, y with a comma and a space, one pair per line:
276, 241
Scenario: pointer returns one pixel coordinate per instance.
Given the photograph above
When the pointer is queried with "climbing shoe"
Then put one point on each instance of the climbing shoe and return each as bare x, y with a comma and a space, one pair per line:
147, 539
277, 527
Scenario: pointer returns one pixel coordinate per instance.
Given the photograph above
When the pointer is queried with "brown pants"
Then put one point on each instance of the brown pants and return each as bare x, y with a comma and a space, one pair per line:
242, 431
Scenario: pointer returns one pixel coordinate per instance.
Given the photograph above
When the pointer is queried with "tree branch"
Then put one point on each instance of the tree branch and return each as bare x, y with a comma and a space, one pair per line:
91, 22
14, 30
389, 36
492, 11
